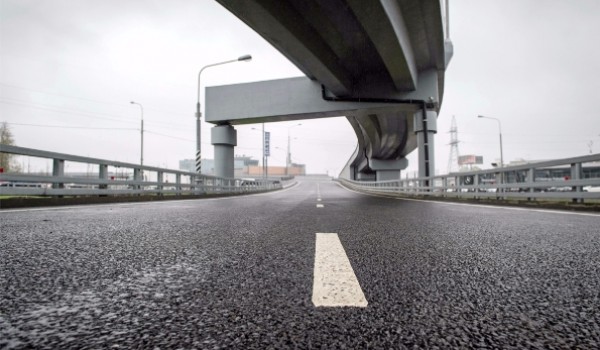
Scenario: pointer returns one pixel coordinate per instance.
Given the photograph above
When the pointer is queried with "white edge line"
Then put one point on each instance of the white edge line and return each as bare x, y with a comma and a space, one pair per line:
473, 205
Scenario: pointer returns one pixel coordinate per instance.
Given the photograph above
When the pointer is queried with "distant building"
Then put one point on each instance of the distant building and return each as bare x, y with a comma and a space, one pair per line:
244, 166
293, 170
468, 162
188, 165
553, 173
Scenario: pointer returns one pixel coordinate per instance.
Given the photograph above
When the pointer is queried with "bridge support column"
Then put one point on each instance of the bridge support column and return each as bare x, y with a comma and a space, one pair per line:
159, 179
576, 174
103, 175
58, 170
224, 139
388, 169
425, 126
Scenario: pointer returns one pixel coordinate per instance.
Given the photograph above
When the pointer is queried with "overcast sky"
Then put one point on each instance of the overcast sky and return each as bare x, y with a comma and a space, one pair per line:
69, 68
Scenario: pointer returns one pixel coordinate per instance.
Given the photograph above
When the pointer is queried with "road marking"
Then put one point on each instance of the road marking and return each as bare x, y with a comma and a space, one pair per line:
334, 283
474, 205
320, 205
318, 199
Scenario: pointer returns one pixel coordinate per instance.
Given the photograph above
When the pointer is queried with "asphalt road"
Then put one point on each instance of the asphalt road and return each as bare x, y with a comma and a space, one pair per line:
238, 273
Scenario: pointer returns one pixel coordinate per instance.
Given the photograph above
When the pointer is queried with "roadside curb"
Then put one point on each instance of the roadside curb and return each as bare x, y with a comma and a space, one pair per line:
29, 202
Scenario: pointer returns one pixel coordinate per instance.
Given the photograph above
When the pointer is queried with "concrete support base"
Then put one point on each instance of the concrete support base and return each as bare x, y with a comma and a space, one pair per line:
365, 177
385, 175
426, 128
224, 139
388, 169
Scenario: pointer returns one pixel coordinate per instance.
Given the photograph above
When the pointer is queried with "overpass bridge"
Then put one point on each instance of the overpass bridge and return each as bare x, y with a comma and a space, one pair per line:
379, 63
248, 272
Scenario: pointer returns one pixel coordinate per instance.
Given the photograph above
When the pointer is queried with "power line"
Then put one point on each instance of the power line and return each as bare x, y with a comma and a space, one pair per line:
67, 111
69, 127
96, 128
169, 136
116, 118
83, 98
61, 95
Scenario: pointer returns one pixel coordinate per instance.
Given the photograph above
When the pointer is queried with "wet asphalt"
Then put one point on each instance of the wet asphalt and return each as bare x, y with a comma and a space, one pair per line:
236, 273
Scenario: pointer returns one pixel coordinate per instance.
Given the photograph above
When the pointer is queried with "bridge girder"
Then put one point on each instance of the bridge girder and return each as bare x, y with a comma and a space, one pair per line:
381, 51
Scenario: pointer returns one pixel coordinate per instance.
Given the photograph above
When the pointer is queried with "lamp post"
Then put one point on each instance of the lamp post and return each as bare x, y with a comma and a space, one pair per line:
245, 58
142, 134
264, 155
288, 160
500, 133
501, 152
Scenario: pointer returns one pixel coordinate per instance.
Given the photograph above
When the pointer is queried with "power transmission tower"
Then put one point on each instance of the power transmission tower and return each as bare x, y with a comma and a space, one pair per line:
453, 159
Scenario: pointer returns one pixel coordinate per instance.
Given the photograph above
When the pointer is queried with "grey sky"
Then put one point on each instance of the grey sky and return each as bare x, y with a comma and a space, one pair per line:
533, 64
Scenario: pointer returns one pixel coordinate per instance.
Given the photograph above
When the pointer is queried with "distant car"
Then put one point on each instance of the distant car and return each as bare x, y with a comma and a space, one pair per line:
591, 188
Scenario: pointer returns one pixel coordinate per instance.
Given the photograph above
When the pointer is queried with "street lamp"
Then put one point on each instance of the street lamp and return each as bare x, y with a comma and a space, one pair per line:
501, 153
244, 58
142, 134
500, 132
288, 161
264, 155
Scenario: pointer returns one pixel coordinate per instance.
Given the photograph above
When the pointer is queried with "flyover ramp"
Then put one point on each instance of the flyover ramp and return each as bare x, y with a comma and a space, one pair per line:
239, 273
392, 53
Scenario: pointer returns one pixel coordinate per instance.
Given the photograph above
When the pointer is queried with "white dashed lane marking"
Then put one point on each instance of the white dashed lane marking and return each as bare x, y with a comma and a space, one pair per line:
319, 196
334, 283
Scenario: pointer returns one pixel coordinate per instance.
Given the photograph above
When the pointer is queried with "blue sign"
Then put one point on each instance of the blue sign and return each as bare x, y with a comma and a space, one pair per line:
267, 143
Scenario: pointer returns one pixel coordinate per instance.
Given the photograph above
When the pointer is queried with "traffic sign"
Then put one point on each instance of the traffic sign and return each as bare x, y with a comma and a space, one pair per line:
267, 143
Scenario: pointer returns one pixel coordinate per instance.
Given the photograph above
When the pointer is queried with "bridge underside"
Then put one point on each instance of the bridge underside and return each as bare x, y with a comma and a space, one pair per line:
379, 63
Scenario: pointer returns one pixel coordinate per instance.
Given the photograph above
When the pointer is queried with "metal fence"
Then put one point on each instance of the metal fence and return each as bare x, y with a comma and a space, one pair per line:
115, 178
575, 179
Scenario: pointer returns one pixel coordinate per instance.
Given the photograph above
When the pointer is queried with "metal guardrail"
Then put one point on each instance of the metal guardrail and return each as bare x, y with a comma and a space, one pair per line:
576, 179
102, 183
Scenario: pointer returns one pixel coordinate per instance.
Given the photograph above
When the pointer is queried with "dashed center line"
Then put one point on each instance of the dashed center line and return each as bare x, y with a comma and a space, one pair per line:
335, 283
319, 196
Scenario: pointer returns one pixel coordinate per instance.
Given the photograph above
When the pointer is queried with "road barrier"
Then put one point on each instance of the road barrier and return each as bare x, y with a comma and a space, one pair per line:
575, 179
112, 178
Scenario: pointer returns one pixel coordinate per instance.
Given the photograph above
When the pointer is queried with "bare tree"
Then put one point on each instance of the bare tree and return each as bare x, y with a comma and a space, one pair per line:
6, 138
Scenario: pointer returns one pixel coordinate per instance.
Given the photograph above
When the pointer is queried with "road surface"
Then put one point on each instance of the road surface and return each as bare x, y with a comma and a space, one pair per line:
240, 273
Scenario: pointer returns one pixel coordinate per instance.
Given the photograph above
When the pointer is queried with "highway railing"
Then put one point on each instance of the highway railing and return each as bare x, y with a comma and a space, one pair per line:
103, 177
575, 179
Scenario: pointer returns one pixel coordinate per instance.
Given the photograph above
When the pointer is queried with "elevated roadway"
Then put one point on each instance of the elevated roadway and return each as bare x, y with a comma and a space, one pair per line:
239, 273
379, 63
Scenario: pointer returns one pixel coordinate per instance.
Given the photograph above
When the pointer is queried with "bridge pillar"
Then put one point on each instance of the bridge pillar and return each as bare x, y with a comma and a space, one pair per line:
388, 169
425, 126
224, 139
103, 175
58, 170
